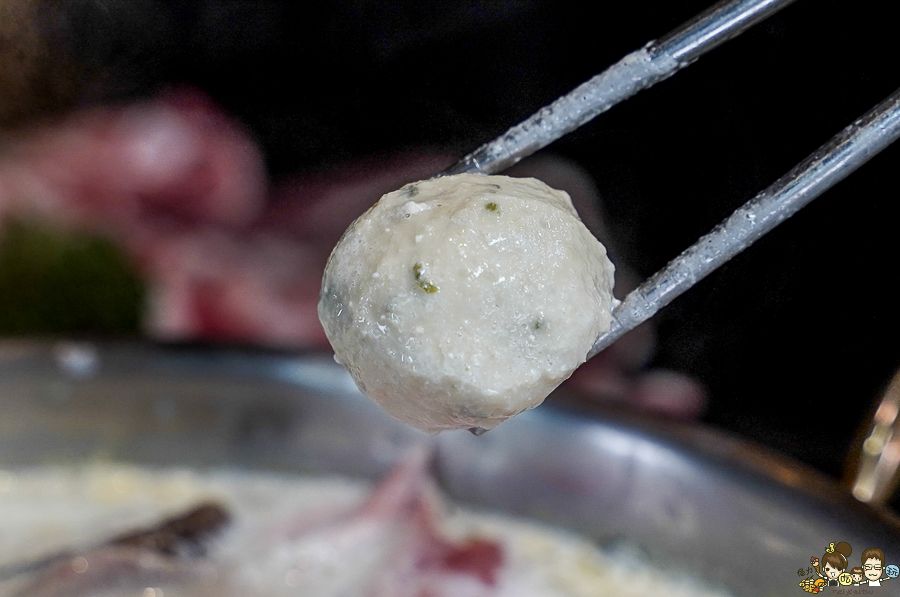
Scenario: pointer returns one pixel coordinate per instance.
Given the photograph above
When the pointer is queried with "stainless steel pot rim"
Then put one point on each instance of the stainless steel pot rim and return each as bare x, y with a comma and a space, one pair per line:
689, 497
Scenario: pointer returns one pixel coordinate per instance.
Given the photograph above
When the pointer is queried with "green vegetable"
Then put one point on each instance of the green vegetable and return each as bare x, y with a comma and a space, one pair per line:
54, 282
492, 206
423, 284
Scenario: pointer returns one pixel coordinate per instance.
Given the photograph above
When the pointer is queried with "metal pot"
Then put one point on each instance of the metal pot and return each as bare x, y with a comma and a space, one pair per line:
690, 498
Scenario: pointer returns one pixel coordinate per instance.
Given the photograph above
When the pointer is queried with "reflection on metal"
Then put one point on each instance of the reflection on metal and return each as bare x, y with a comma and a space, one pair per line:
77, 359
877, 470
692, 499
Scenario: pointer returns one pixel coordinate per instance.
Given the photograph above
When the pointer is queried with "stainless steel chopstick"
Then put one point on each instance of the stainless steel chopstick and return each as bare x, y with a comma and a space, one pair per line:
831, 163
637, 71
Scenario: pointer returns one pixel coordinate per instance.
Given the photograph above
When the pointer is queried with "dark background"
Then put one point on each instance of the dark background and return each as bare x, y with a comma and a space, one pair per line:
794, 339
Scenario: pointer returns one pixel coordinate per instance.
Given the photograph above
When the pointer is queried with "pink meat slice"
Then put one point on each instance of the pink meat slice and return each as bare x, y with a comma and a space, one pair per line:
424, 562
427, 564
177, 156
400, 520
182, 187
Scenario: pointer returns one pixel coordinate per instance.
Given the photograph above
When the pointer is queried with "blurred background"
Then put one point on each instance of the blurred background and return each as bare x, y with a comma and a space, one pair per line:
164, 163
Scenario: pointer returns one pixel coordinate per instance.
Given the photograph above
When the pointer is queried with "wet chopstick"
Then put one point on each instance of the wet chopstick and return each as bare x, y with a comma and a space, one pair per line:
831, 163
635, 72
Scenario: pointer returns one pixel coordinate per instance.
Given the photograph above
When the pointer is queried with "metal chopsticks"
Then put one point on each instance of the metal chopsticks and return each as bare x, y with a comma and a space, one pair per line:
831, 163
635, 72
